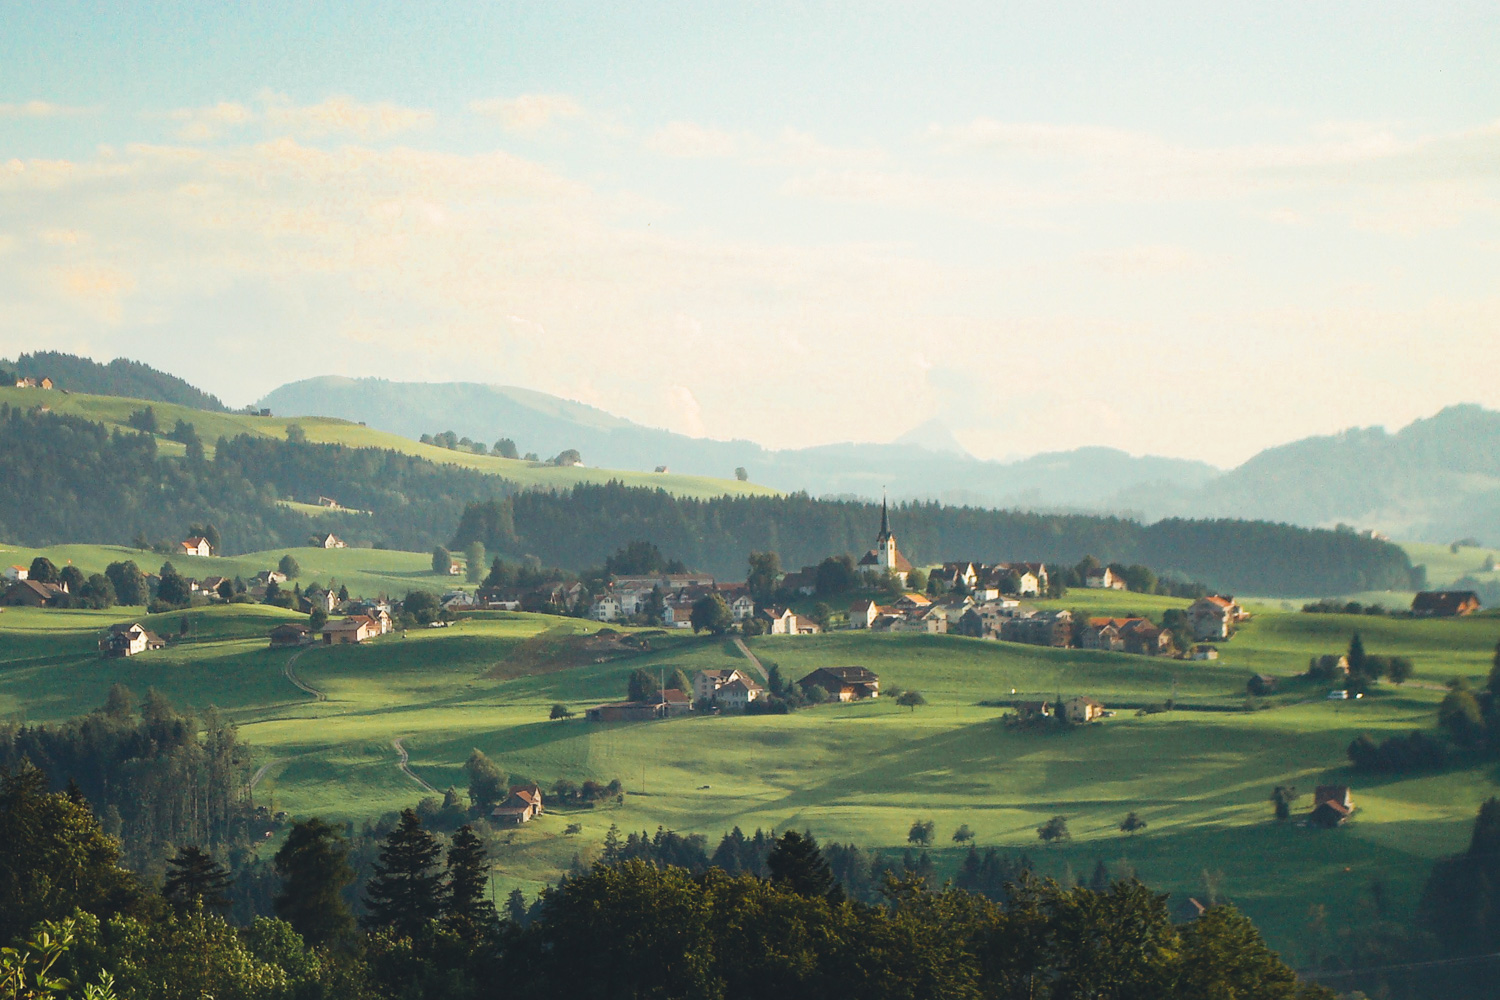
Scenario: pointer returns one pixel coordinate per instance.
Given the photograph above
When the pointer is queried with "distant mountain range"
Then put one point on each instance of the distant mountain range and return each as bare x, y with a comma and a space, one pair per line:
1436, 480
926, 463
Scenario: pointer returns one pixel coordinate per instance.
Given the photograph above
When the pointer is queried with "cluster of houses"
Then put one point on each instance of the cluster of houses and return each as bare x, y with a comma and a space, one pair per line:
362, 620
27, 593
27, 382
1080, 709
731, 690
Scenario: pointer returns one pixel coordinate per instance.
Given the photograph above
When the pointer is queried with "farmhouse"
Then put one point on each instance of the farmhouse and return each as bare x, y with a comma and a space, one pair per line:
523, 805
356, 628
15, 573
1104, 579
706, 683
885, 557
737, 695
1082, 709
31, 594
1444, 603
1332, 805
329, 541
1214, 617
844, 683
290, 635
266, 577
1261, 685
197, 547
129, 639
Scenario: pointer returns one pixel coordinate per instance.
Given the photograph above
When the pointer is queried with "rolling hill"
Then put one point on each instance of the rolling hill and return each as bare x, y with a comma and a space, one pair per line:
1200, 775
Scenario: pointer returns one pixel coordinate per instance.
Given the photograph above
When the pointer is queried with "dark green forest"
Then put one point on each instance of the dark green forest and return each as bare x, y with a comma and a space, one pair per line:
576, 528
72, 480
121, 377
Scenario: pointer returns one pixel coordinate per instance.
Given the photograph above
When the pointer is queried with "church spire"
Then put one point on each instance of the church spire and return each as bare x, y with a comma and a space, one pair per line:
885, 520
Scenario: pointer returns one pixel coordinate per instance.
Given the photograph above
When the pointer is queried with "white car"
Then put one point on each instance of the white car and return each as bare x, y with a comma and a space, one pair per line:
1338, 696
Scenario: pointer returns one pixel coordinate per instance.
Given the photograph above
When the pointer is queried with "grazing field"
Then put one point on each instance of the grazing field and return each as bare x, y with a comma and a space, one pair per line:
114, 412
1200, 775
1445, 566
366, 572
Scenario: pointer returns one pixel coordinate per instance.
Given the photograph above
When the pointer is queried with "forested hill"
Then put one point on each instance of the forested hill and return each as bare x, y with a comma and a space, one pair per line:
121, 377
579, 527
71, 480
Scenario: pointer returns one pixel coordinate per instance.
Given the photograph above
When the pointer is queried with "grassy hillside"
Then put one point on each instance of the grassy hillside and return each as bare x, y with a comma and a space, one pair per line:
366, 572
858, 773
1445, 566
114, 411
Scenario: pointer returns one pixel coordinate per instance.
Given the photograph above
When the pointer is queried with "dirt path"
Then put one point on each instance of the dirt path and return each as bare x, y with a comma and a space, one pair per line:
261, 772
291, 675
403, 761
754, 663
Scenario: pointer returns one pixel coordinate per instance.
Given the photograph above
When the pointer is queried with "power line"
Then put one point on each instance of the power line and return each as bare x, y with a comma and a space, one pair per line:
1319, 974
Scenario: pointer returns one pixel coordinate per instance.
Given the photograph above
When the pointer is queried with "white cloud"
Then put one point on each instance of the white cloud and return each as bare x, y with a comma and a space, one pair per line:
529, 112
40, 109
278, 115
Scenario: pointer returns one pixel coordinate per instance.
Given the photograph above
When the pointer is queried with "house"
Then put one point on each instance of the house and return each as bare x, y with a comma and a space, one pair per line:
1202, 651
1214, 617
1082, 709
804, 581
862, 613
677, 614
198, 547
458, 600
911, 601
266, 577
330, 503
1103, 579
930, 619
129, 639
31, 594
779, 621
1332, 805
1102, 633
844, 683
1030, 711
523, 805
885, 557
737, 695
14, 573
959, 573
1145, 639
290, 635
742, 606
357, 628
606, 608
210, 585
1261, 685
1444, 603
329, 541
706, 683
1039, 628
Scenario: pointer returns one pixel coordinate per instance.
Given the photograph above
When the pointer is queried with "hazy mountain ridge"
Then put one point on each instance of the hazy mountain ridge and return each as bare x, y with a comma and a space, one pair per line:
925, 463
121, 377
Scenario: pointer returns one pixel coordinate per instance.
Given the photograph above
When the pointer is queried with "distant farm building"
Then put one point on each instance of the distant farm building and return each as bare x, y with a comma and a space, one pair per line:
1444, 603
31, 594
290, 635
129, 639
844, 683
196, 547
354, 629
1332, 805
523, 805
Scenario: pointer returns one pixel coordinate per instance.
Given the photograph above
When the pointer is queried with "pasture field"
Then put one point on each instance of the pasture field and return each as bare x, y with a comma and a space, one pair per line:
1445, 566
115, 411
1200, 776
366, 572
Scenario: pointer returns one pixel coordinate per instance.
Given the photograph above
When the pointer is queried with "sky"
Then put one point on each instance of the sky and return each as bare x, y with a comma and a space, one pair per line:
1188, 229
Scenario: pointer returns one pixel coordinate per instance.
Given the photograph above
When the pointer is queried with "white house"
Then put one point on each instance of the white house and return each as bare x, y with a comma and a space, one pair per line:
15, 573
196, 547
1104, 579
606, 608
737, 695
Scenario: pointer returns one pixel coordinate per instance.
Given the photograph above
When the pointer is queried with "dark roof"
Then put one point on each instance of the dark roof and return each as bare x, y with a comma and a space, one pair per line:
1443, 602
843, 675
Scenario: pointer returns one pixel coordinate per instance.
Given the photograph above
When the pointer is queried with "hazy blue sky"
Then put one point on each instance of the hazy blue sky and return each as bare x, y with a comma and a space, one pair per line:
1184, 229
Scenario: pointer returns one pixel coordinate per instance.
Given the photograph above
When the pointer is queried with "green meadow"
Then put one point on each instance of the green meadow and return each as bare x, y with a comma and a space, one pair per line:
1200, 775
115, 411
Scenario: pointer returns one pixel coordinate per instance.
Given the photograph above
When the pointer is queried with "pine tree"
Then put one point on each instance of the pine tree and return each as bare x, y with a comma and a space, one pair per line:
468, 877
314, 868
406, 890
515, 908
194, 875
1100, 880
1356, 656
797, 863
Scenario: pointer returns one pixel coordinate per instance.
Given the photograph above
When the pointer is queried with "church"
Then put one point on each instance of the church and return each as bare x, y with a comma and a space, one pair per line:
885, 557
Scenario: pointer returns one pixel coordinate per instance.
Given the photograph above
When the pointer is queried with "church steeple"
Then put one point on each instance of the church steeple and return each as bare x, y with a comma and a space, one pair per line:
885, 521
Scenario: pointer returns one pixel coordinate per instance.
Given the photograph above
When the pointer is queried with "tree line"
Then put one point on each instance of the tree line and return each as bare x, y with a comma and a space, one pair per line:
576, 527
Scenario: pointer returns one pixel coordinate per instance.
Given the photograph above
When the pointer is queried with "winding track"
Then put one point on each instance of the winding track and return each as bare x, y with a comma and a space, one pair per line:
291, 675
403, 761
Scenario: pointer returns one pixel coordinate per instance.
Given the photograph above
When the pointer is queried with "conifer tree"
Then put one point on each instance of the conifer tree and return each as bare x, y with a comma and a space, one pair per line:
468, 877
797, 863
515, 908
194, 875
314, 868
406, 890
